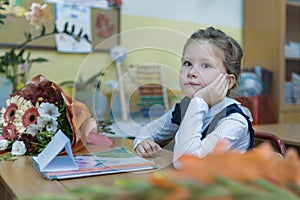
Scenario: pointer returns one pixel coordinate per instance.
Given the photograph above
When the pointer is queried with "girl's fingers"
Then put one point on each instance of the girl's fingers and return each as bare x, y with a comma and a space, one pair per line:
148, 148
154, 146
140, 150
219, 81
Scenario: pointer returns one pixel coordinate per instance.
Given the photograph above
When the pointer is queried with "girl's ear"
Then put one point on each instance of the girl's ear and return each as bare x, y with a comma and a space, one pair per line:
232, 81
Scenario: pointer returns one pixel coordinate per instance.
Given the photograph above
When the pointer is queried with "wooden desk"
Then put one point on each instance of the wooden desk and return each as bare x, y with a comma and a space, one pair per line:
19, 179
288, 133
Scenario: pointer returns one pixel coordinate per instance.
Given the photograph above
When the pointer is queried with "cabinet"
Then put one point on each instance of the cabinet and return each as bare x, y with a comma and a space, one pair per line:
268, 26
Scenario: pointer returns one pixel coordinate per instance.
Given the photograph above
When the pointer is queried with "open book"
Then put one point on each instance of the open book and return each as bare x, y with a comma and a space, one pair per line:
105, 162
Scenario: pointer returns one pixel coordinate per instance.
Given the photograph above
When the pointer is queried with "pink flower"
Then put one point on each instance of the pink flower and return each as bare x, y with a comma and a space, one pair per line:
10, 132
30, 117
10, 113
38, 14
25, 66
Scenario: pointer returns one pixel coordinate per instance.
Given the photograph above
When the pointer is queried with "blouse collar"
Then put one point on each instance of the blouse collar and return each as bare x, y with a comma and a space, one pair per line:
221, 105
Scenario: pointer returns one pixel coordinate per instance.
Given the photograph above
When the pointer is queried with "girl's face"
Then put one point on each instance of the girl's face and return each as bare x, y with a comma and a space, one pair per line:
200, 65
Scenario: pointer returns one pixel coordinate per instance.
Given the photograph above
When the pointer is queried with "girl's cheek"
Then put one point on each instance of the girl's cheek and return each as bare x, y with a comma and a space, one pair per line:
182, 73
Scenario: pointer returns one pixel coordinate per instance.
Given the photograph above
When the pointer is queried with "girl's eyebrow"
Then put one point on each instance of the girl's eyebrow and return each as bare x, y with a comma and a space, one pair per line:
186, 58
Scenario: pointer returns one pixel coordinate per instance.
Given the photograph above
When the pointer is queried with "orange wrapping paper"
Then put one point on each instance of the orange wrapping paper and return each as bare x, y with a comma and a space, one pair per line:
79, 116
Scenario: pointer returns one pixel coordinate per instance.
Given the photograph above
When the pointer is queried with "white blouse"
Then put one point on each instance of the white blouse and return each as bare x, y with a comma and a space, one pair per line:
233, 128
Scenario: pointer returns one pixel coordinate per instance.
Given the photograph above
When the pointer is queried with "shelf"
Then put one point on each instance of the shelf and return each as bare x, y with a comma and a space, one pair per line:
290, 108
268, 26
293, 3
292, 58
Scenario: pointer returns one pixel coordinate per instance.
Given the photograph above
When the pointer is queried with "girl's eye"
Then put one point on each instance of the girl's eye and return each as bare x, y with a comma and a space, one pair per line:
187, 63
205, 65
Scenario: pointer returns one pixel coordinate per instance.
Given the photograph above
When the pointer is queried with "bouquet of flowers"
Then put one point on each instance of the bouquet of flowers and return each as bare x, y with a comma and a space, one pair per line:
34, 114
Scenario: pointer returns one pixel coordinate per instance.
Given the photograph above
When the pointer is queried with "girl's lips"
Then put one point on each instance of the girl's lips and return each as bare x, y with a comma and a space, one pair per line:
191, 83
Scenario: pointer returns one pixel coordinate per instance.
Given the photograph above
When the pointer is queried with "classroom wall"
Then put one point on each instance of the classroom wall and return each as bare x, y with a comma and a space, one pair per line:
171, 24
152, 31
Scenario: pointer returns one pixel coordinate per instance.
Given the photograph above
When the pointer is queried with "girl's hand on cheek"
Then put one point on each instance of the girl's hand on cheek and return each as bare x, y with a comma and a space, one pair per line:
215, 91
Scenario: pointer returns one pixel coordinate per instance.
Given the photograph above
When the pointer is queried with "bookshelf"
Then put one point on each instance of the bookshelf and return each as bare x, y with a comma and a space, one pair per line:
268, 26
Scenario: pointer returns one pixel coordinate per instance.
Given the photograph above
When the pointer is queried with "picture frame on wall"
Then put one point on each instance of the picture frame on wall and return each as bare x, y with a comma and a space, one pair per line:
105, 25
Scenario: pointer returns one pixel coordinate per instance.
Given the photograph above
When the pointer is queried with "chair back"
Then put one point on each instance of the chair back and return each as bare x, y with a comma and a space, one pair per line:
273, 139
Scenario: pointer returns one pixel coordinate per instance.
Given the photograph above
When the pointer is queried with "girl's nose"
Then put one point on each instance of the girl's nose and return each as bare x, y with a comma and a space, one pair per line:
192, 73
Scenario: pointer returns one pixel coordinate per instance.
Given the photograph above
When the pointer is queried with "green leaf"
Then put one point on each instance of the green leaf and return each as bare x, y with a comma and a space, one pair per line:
73, 29
21, 52
8, 157
133, 185
201, 190
80, 33
39, 60
276, 192
66, 27
55, 30
241, 191
43, 30
93, 192
28, 36
86, 37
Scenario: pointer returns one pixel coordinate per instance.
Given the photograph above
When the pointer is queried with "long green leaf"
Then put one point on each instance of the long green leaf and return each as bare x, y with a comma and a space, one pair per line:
66, 27
73, 29
39, 60
43, 30
80, 33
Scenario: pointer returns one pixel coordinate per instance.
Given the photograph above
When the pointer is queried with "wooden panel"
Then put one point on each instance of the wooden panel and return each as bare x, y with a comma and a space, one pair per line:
293, 23
262, 39
261, 33
5, 193
290, 117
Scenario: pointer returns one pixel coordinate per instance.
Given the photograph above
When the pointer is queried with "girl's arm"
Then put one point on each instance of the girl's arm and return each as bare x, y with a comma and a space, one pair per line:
158, 132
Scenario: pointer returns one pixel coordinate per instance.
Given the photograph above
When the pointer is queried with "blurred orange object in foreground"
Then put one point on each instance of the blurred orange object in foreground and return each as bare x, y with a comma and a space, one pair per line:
259, 163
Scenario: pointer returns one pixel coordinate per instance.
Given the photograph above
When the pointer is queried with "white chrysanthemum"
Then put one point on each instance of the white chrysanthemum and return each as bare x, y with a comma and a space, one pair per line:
3, 144
48, 110
18, 148
49, 123
33, 129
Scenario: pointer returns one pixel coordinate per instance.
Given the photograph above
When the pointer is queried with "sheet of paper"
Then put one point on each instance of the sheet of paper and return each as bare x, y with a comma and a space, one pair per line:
91, 3
80, 18
48, 159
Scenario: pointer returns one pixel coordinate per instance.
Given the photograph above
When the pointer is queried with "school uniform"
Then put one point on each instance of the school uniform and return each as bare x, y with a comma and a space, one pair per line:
196, 128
